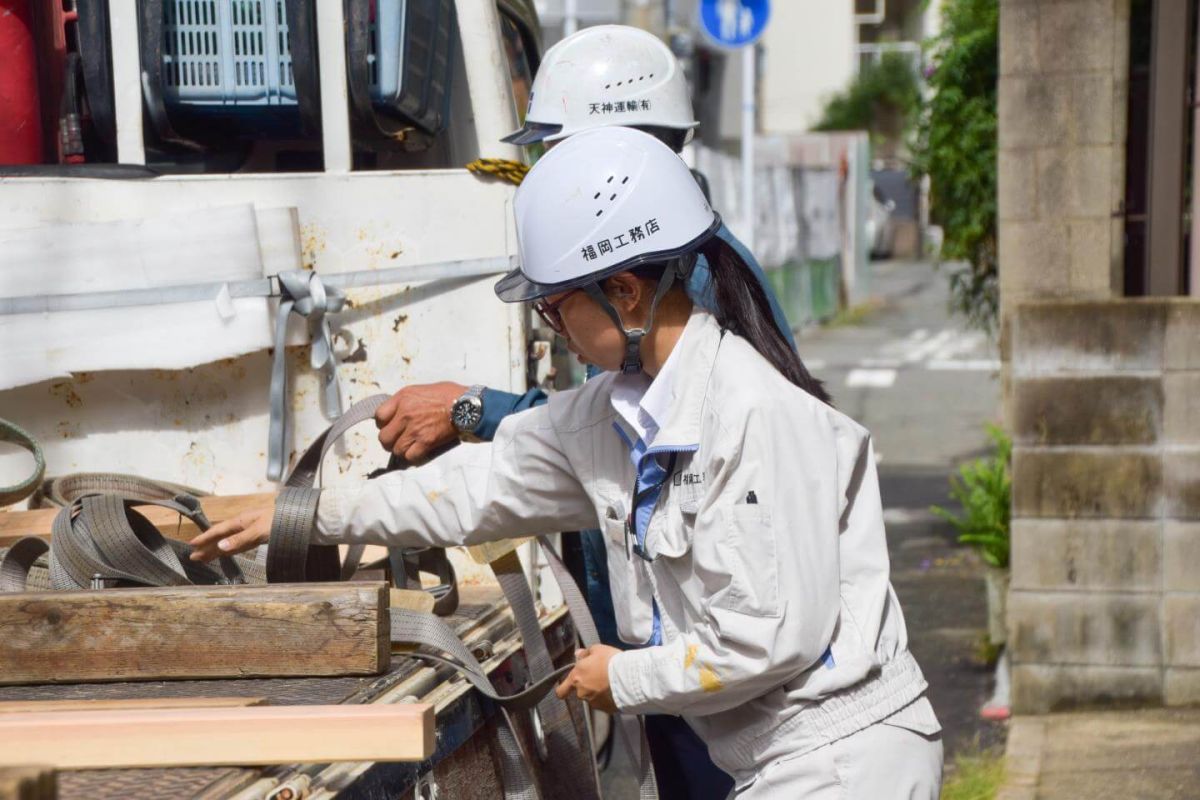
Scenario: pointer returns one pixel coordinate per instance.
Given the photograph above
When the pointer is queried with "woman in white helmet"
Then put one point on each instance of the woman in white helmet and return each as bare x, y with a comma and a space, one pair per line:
601, 76
745, 536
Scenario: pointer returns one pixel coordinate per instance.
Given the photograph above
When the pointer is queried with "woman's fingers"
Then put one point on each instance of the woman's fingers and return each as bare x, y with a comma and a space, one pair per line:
563, 690
236, 535
218, 532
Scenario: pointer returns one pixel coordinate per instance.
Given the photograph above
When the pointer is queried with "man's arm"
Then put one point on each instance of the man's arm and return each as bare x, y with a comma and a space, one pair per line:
415, 422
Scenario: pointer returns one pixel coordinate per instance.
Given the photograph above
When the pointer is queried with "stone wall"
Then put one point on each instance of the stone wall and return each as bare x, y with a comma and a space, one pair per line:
1105, 409
1062, 111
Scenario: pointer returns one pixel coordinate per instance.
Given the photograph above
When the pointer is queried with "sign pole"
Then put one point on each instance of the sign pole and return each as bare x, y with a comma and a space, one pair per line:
570, 17
738, 25
749, 114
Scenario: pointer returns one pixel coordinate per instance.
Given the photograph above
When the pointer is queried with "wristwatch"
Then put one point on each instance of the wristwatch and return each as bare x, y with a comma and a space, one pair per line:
467, 412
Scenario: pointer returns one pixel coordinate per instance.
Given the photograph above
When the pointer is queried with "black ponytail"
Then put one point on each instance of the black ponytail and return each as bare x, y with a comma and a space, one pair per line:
744, 309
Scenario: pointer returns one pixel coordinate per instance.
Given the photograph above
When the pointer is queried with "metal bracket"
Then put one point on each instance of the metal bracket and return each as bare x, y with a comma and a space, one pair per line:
294, 789
426, 787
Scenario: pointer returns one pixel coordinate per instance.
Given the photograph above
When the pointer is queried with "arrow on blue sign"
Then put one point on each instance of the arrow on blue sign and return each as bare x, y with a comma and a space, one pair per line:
734, 23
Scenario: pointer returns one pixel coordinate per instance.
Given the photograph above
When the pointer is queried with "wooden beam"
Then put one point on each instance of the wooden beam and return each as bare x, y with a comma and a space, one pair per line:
258, 735
28, 783
131, 704
38, 522
181, 632
1168, 137
15, 524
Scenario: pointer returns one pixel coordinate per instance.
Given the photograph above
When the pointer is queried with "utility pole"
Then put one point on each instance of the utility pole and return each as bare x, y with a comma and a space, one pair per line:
749, 115
570, 17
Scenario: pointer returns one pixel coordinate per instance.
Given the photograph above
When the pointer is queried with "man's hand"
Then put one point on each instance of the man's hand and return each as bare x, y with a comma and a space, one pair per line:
589, 679
235, 535
415, 422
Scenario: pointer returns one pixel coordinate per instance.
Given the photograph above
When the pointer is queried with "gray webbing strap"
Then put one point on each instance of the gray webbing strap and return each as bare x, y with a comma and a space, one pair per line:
427, 630
102, 536
408, 563
66, 489
562, 743
515, 775
290, 557
15, 493
304, 293
19, 562
631, 729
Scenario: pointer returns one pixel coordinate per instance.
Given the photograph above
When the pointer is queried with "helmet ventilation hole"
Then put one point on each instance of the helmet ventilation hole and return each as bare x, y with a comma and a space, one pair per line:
596, 196
601, 211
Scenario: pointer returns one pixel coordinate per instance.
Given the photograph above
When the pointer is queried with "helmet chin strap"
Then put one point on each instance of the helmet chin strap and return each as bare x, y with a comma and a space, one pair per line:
632, 363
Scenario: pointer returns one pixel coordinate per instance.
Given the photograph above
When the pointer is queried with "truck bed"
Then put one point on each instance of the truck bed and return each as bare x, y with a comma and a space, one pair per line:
462, 766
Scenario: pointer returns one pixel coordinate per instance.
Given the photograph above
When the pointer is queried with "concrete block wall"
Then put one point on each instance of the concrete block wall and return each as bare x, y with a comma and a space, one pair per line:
1062, 112
1105, 412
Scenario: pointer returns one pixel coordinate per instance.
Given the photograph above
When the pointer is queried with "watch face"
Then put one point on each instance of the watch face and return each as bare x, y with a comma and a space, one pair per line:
467, 414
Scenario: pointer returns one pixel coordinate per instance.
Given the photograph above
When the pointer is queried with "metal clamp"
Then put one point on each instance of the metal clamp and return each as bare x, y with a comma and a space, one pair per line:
426, 787
539, 734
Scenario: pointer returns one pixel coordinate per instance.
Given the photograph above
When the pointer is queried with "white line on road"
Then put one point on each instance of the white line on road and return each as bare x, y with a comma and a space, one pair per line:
908, 516
871, 378
965, 364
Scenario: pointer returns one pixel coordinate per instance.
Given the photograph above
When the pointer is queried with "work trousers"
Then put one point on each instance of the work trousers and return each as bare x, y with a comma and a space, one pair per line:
882, 762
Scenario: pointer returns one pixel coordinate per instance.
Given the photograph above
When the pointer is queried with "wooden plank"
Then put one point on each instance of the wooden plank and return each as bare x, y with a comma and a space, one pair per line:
15, 524
180, 632
488, 552
130, 704
259, 735
28, 783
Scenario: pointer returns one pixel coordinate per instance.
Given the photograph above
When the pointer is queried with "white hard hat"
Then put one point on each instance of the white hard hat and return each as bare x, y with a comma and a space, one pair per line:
602, 202
606, 75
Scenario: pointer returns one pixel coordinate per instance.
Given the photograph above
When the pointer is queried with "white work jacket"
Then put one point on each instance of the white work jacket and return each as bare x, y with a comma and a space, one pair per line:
765, 554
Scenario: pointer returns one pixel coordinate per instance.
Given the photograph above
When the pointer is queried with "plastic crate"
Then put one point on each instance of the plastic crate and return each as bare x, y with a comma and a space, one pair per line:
227, 53
229, 61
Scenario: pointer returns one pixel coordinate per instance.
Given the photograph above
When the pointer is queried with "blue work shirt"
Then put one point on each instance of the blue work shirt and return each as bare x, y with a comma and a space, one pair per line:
497, 404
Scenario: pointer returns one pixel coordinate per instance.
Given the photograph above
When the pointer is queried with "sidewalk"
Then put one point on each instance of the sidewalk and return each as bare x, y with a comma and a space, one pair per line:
1152, 754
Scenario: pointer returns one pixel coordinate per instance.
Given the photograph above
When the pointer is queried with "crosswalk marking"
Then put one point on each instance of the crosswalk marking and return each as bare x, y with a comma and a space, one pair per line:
946, 350
872, 378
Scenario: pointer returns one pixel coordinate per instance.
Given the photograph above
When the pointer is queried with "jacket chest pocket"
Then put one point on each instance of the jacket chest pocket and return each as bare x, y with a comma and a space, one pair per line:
752, 559
632, 594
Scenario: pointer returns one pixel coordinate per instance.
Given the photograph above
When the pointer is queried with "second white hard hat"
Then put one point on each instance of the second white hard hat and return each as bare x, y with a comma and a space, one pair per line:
601, 202
606, 75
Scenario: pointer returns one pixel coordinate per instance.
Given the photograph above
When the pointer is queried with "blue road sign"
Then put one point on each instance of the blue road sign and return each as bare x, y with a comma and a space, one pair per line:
734, 23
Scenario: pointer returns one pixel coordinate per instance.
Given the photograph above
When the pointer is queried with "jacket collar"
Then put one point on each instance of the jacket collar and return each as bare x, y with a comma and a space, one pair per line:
694, 354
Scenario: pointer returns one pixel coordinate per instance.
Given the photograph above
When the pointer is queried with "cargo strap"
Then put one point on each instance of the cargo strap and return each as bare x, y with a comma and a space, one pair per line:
302, 293
17, 435
99, 540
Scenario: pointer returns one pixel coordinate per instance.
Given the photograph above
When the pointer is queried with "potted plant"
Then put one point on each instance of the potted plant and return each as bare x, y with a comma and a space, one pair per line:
984, 488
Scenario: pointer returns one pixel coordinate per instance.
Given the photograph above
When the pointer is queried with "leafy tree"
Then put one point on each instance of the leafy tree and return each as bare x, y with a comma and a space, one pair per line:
956, 148
882, 99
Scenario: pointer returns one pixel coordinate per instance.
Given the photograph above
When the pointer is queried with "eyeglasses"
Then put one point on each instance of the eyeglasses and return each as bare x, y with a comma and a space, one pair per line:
549, 311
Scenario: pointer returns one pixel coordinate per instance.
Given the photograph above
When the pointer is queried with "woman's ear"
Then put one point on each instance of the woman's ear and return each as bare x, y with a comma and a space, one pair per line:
624, 290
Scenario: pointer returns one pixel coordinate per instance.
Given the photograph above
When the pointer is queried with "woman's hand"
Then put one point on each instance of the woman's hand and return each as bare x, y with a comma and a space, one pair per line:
589, 679
235, 535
